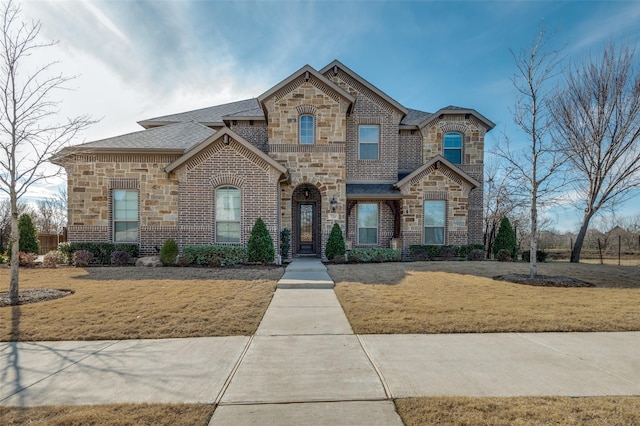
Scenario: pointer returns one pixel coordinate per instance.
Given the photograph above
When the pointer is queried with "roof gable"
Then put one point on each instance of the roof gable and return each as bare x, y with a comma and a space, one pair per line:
223, 135
437, 162
335, 65
455, 110
308, 72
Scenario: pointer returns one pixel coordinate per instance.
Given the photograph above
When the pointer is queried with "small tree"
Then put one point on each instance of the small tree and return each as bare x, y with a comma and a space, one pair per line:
260, 247
335, 244
169, 252
285, 242
29, 242
505, 239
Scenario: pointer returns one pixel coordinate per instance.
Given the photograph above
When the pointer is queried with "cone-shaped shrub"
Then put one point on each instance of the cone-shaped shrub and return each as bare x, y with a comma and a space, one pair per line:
505, 239
260, 247
29, 242
169, 252
335, 244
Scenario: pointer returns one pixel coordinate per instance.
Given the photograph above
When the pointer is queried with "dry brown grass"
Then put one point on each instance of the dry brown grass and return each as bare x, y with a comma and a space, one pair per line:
457, 297
140, 303
116, 415
520, 411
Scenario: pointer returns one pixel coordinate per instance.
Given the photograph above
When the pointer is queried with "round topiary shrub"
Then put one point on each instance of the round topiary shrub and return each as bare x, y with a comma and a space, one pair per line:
169, 252
120, 258
504, 256
476, 255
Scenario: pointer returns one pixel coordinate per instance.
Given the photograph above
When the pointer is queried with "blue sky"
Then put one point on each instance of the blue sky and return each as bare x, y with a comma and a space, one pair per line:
136, 60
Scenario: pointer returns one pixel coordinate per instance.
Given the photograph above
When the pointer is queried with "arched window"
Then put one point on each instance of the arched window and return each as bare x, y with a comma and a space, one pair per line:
306, 132
227, 215
453, 147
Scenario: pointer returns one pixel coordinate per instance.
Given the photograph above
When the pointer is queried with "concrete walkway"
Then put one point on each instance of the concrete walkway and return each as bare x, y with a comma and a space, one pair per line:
304, 365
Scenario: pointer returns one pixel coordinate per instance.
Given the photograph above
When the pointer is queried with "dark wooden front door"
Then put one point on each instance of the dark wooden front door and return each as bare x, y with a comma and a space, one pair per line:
306, 228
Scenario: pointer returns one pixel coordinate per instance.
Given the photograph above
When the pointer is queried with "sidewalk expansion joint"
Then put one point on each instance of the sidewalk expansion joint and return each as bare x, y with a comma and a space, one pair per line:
387, 391
314, 401
233, 372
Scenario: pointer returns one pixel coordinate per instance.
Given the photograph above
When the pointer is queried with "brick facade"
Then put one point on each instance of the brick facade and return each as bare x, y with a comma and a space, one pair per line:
262, 157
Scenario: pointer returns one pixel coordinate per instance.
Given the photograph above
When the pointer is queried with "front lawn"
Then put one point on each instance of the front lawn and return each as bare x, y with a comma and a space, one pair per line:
112, 303
458, 297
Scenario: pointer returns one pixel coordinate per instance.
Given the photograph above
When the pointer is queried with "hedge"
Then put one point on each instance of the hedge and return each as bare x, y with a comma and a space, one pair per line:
213, 255
427, 252
374, 255
101, 251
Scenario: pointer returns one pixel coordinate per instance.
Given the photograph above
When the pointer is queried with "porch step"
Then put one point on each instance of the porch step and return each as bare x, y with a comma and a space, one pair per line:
306, 273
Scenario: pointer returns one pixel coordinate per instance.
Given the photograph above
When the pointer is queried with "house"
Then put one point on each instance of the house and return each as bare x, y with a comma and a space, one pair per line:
320, 147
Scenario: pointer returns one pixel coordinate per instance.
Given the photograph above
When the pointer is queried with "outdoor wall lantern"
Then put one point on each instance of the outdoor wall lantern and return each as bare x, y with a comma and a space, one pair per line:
333, 203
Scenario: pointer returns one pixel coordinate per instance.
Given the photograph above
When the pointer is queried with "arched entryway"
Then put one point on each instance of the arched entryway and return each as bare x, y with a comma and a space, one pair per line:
306, 214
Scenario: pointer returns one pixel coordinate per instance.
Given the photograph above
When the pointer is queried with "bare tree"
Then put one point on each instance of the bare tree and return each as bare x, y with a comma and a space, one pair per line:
498, 202
29, 132
598, 116
50, 214
534, 168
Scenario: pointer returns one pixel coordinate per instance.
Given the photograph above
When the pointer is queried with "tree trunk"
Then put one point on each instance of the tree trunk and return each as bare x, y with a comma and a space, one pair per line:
577, 247
533, 265
15, 258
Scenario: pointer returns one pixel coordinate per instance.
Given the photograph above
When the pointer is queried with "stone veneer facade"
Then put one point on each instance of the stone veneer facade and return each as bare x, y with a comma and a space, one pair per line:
180, 203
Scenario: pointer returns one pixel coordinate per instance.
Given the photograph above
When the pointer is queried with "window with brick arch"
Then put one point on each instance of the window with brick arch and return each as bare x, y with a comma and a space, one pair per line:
453, 147
227, 215
125, 216
307, 129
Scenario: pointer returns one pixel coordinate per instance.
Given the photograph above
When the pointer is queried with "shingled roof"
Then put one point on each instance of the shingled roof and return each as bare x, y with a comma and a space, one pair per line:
173, 137
210, 116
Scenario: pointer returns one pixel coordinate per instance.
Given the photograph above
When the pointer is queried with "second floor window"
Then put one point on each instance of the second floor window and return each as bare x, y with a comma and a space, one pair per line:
453, 147
307, 129
368, 141
227, 215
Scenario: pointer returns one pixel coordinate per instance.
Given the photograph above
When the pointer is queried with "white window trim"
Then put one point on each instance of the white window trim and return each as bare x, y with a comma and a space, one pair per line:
369, 227
114, 220
461, 146
239, 221
313, 130
369, 143
444, 227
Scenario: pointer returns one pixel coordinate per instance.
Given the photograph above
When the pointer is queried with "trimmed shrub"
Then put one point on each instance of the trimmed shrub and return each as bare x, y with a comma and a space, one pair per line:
101, 251
427, 252
448, 252
120, 258
376, 255
476, 255
505, 239
27, 260
504, 256
169, 252
81, 258
335, 243
419, 253
285, 242
53, 259
541, 256
29, 242
260, 245
213, 255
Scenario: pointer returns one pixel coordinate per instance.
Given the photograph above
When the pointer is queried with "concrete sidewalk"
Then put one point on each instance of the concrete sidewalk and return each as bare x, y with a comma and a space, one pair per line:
305, 366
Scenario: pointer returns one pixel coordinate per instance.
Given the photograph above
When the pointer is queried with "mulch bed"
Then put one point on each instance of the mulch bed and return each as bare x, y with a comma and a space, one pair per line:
544, 280
34, 295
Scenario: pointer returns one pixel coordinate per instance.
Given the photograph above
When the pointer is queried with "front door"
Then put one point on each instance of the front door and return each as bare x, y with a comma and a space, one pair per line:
306, 237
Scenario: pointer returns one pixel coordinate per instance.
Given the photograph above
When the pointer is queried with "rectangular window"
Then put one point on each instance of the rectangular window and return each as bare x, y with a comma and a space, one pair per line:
453, 147
227, 215
306, 129
368, 141
368, 224
125, 216
435, 216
